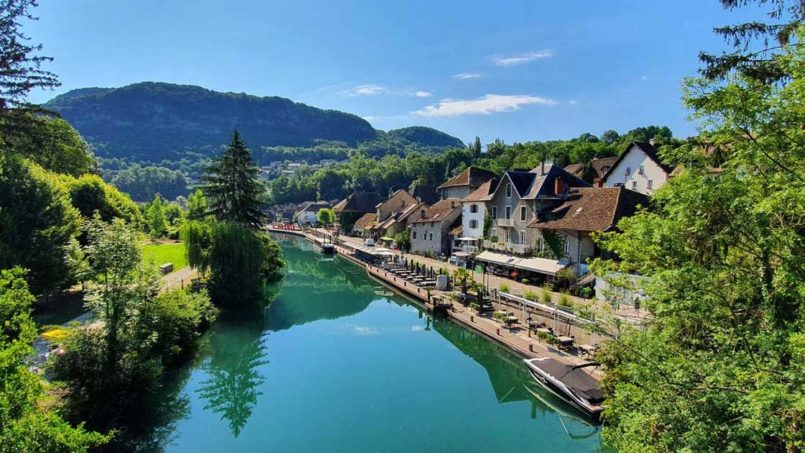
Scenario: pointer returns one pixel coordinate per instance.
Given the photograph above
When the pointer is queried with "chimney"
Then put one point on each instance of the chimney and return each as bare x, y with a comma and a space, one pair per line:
542, 168
452, 203
557, 186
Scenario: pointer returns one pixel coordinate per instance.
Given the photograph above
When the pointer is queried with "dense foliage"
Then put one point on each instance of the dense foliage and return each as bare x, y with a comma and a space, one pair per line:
37, 223
390, 172
25, 425
145, 182
720, 366
112, 367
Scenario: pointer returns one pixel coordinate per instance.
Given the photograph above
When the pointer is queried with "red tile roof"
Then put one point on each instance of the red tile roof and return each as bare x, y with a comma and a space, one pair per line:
591, 209
440, 211
471, 176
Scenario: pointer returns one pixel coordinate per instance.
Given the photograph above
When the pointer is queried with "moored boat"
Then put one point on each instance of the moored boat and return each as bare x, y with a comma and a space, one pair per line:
569, 382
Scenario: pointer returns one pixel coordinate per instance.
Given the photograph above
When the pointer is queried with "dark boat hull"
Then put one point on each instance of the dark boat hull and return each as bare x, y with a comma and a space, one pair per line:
560, 393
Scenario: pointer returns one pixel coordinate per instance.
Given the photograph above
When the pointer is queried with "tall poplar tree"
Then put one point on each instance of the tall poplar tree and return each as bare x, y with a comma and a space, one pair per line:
232, 185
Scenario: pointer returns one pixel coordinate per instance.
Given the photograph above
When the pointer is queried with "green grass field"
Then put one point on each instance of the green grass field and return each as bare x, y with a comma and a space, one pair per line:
165, 253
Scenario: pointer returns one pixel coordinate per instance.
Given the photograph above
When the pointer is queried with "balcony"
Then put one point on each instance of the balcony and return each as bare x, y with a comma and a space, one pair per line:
520, 249
507, 223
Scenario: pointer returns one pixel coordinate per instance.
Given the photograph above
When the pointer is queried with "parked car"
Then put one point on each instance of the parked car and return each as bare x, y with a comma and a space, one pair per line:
369, 242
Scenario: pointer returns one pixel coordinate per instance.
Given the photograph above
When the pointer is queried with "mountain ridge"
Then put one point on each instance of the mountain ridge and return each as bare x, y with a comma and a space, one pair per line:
157, 120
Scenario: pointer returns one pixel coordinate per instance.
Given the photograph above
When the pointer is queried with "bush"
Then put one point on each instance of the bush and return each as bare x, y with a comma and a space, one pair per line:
564, 301
545, 295
530, 295
177, 319
504, 287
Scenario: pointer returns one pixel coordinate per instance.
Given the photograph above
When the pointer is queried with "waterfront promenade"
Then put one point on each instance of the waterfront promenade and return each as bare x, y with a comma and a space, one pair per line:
518, 339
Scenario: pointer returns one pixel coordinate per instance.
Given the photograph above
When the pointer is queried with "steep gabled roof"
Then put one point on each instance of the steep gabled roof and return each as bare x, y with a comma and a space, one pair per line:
648, 149
575, 169
398, 196
313, 206
471, 176
440, 211
591, 209
482, 193
602, 164
366, 222
424, 193
358, 202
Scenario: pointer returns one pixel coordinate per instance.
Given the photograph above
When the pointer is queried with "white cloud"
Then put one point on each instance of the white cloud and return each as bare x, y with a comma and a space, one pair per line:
522, 58
468, 75
572, 102
423, 94
365, 330
365, 90
491, 103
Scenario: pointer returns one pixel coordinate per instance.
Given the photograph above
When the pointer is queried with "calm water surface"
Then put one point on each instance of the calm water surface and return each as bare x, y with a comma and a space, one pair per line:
336, 363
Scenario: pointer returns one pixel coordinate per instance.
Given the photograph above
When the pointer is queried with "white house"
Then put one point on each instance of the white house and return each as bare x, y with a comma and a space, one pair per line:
473, 215
638, 168
307, 214
432, 232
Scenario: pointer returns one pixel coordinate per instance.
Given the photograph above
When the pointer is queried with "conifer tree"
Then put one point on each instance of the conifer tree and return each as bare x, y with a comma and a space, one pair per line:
232, 186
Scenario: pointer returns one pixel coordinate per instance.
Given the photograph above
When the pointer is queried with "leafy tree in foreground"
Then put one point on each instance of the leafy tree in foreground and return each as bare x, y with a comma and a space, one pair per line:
232, 186
24, 426
325, 216
720, 365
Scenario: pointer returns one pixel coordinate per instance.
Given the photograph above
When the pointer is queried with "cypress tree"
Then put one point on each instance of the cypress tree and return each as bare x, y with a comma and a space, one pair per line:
232, 186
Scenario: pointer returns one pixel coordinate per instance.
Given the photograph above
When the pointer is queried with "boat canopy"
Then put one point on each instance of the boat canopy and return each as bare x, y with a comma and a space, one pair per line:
574, 379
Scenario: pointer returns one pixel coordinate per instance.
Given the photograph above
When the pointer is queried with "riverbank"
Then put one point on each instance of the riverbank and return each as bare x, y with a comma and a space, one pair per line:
517, 340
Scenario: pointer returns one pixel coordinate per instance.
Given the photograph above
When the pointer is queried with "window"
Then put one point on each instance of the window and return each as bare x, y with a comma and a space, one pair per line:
640, 170
540, 244
522, 213
634, 185
522, 237
507, 235
508, 212
494, 212
473, 224
628, 171
508, 190
431, 236
650, 184
473, 208
567, 247
413, 235
493, 233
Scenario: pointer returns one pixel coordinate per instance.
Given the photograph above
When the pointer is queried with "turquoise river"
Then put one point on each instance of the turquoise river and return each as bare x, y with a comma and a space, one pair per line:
337, 363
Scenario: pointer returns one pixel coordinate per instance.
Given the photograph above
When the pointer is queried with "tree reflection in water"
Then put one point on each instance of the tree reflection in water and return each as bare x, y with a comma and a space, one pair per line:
232, 364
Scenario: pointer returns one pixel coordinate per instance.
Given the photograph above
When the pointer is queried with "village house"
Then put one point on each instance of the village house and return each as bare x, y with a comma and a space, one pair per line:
638, 168
353, 207
308, 212
464, 183
584, 211
592, 171
430, 233
389, 217
473, 215
516, 200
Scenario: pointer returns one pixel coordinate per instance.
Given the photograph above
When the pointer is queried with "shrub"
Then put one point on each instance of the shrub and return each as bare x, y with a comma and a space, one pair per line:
530, 295
545, 295
564, 300
474, 306
504, 287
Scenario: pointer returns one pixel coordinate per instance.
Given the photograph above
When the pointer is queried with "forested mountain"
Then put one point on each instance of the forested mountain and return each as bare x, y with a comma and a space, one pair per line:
154, 121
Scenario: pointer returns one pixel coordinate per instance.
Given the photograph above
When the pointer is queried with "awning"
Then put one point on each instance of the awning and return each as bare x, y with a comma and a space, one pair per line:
498, 258
541, 265
461, 254
383, 252
468, 239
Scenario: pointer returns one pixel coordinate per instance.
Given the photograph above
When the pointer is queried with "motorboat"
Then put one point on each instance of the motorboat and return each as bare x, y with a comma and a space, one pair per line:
569, 382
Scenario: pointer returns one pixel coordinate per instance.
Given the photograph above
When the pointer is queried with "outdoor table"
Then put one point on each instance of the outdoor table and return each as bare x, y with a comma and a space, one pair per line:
565, 341
544, 330
587, 349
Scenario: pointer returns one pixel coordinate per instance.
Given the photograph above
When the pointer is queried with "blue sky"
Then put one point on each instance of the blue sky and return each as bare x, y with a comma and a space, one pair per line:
514, 70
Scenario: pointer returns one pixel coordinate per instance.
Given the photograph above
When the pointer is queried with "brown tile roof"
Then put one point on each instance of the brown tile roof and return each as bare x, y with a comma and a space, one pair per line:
591, 209
358, 202
575, 169
481, 193
441, 210
366, 222
602, 164
399, 197
403, 215
471, 176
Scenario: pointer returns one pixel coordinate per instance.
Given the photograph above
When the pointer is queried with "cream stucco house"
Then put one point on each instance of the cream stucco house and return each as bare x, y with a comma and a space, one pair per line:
638, 168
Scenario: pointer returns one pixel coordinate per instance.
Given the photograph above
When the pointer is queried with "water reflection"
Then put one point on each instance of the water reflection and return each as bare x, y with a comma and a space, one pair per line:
236, 352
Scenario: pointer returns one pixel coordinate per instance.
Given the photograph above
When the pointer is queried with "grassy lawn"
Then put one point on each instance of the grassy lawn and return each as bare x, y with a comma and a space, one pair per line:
165, 253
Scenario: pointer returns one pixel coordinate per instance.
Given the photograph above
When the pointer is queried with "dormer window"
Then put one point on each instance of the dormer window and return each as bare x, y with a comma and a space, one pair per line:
628, 171
641, 170
508, 190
